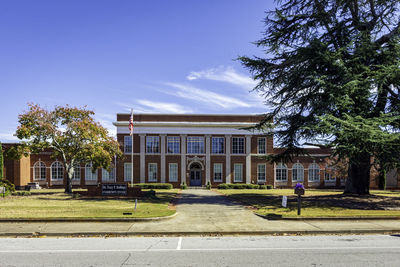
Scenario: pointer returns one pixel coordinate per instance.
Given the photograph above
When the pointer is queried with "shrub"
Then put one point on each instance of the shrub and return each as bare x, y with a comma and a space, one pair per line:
7, 184
270, 186
223, 186
21, 193
154, 186
208, 186
151, 193
183, 185
262, 186
238, 186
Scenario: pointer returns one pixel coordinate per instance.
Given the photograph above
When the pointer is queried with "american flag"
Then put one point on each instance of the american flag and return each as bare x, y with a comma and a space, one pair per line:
131, 123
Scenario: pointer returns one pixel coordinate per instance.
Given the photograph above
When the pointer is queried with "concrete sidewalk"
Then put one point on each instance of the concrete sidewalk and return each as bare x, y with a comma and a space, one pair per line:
202, 212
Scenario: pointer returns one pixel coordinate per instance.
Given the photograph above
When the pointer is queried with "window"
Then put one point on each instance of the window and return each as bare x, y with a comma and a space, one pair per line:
261, 149
297, 172
313, 172
127, 171
89, 174
195, 145
173, 144
152, 144
173, 172
152, 172
217, 172
329, 174
128, 144
108, 175
57, 171
217, 145
39, 171
261, 172
238, 172
77, 172
237, 145
281, 172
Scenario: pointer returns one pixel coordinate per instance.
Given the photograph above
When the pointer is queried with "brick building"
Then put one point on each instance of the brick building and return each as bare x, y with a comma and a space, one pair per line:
195, 149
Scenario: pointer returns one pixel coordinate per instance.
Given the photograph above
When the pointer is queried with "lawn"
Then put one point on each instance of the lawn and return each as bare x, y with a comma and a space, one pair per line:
54, 204
319, 203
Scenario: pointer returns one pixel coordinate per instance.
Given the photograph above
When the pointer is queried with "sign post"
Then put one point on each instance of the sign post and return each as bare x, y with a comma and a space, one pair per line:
299, 190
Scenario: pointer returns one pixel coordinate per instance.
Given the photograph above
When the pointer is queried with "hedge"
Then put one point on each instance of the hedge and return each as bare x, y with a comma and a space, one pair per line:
7, 184
244, 186
154, 185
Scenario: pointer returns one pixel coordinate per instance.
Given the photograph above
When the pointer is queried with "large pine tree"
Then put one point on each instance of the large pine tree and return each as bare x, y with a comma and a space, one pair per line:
331, 73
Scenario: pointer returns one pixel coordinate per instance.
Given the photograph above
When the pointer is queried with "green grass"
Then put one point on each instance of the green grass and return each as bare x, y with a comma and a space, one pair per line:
60, 205
319, 203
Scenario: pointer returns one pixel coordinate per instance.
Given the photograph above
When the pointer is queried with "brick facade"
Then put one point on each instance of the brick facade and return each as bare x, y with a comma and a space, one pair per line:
205, 127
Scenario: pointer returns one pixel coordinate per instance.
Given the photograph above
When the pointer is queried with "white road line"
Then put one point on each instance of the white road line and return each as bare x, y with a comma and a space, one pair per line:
179, 244
187, 249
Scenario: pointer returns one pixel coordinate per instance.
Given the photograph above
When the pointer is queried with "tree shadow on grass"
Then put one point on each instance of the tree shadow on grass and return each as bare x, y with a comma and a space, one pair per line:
369, 202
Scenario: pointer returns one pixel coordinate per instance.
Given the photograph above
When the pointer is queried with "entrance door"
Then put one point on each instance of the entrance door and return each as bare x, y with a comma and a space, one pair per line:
195, 178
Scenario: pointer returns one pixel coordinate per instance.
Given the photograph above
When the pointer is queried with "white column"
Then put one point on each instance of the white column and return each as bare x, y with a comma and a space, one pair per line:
162, 161
208, 158
183, 158
228, 158
142, 157
248, 159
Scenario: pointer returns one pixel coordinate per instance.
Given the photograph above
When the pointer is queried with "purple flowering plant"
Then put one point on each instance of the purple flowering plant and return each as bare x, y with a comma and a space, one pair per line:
299, 186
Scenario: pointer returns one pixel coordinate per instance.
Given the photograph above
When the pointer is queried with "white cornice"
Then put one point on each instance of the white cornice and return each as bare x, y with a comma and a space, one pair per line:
235, 125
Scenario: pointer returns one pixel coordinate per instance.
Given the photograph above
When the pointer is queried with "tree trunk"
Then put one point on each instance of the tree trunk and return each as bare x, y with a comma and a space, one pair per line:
70, 172
358, 178
382, 179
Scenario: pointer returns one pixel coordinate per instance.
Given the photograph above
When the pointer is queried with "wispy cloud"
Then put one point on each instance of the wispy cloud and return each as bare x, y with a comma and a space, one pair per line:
8, 137
209, 97
148, 106
224, 74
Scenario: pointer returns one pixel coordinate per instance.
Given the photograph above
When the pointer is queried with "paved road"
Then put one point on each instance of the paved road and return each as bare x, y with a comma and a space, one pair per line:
375, 250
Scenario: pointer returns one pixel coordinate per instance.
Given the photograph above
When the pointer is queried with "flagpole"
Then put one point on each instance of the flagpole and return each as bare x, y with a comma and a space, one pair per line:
132, 149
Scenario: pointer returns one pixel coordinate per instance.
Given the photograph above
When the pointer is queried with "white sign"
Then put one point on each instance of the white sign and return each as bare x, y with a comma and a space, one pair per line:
284, 201
2, 189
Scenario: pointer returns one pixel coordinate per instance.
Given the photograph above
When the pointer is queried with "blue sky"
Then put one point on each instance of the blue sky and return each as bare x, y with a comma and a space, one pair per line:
153, 56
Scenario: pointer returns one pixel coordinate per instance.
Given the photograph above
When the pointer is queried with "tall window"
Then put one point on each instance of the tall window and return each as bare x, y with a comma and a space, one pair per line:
281, 172
195, 145
77, 172
173, 144
89, 174
217, 172
217, 145
173, 172
57, 171
108, 175
329, 173
152, 144
261, 146
39, 171
127, 171
237, 145
238, 172
297, 172
313, 172
128, 144
261, 172
152, 172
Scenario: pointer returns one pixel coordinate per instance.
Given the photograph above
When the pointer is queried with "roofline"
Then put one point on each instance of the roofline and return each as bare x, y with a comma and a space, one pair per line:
193, 114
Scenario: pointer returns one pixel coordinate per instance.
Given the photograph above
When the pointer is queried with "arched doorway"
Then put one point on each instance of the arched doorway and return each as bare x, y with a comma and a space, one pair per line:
195, 174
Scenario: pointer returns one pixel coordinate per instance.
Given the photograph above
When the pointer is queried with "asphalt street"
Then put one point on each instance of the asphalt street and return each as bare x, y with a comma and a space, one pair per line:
344, 250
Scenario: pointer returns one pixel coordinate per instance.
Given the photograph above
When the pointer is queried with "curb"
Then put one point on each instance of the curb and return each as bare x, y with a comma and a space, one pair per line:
16, 220
279, 218
214, 233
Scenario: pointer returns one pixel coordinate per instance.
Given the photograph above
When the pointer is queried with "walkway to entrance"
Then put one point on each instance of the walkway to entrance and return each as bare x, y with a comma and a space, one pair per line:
205, 210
